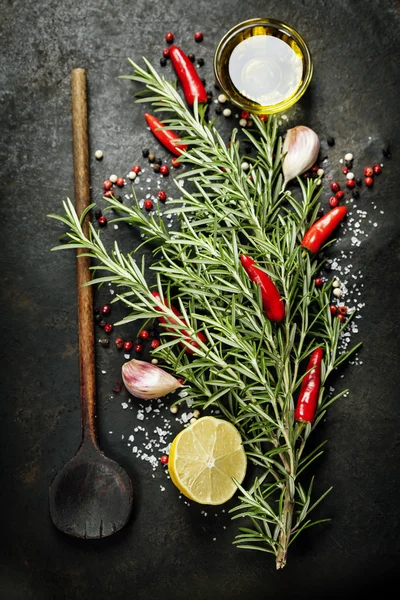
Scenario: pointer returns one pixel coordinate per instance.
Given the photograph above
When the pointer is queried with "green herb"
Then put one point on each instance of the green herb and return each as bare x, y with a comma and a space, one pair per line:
249, 368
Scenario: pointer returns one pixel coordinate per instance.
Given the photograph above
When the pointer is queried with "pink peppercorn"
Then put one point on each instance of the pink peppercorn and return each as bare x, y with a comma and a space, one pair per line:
164, 170
333, 201
377, 169
368, 172
335, 187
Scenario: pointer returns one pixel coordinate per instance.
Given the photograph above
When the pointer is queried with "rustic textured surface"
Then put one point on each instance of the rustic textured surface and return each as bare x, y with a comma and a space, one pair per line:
167, 551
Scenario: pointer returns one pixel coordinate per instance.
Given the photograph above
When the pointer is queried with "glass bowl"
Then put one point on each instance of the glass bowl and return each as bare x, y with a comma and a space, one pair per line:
262, 27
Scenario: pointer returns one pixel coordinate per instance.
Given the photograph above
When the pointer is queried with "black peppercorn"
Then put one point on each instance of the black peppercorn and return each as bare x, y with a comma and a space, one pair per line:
348, 163
105, 342
145, 152
209, 99
200, 62
218, 110
156, 167
158, 161
98, 318
102, 323
151, 157
203, 81
97, 213
331, 141
191, 57
321, 212
216, 85
163, 61
327, 267
359, 181
355, 194
248, 148
210, 93
386, 151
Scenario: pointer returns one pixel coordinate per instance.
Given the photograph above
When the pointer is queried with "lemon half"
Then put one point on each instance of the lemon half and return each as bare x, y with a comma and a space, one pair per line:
203, 459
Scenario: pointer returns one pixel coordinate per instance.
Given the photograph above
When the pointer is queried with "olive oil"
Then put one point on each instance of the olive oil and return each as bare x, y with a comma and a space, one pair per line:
263, 66
265, 69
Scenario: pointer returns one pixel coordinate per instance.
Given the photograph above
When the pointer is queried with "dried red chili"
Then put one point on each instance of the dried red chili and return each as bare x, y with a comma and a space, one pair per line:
188, 76
309, 390
271, 298
167, 137
193, 342
318, 233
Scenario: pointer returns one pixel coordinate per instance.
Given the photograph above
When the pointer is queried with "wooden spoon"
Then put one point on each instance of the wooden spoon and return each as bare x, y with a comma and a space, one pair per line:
91, 496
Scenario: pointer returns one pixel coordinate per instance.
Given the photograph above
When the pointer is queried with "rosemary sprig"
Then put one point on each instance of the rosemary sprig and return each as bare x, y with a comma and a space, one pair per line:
248, 367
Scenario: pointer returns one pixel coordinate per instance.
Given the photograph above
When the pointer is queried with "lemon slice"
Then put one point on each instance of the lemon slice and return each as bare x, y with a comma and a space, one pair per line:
203, 459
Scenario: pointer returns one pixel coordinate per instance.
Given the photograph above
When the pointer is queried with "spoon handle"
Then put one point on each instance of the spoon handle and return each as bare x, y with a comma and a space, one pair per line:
85, 294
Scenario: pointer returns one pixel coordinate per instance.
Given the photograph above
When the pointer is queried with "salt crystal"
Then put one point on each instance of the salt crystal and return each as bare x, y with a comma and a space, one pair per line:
131, 438
124, 405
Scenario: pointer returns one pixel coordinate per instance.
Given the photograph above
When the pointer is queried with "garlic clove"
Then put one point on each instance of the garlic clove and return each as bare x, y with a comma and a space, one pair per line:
300, 151
146, 381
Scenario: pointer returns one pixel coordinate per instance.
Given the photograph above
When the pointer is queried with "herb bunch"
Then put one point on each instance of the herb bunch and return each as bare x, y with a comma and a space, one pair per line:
249, 368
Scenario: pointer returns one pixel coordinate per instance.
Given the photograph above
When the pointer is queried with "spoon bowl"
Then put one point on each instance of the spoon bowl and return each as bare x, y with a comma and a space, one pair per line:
91, 496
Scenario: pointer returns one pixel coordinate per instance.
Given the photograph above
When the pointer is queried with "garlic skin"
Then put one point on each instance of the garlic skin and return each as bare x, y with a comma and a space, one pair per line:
146, 381
300, 151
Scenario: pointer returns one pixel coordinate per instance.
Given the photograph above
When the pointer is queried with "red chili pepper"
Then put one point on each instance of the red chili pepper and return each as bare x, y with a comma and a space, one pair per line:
309, 389
318, 233
167, 137
188, 76
271, 298
186, 334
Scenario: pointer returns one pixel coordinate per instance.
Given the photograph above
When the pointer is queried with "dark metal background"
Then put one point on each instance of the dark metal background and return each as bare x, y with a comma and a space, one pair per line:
168, 551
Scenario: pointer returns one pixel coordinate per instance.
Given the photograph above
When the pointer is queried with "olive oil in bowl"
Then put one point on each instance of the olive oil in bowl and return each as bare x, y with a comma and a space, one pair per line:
263, 66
